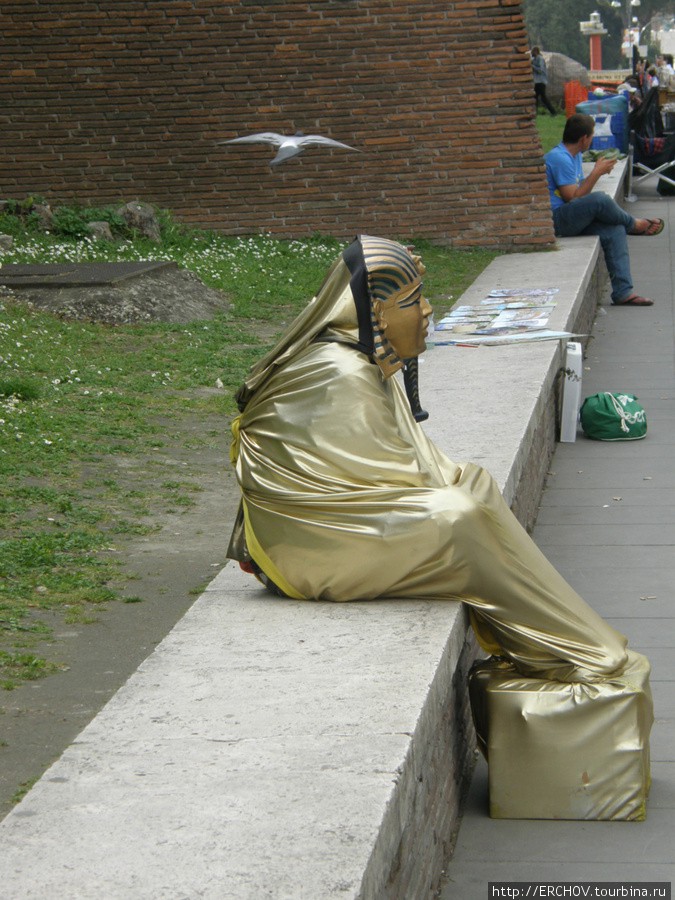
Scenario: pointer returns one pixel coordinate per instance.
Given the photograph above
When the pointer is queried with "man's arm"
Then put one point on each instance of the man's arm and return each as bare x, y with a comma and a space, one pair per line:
570, 191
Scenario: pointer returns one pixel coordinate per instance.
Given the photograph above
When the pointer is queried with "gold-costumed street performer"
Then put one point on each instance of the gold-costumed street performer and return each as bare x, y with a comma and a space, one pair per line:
345, 498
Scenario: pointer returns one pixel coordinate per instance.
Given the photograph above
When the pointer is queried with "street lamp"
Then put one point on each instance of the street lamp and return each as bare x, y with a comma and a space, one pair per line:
631, 21
631, 24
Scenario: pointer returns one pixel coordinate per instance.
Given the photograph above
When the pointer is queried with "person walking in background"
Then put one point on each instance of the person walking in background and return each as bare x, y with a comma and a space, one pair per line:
540, 80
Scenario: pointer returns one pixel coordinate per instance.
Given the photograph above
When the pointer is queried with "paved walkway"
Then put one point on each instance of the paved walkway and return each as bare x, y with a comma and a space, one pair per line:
607, 522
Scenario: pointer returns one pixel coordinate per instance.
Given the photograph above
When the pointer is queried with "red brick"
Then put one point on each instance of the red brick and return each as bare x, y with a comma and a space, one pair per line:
167, 83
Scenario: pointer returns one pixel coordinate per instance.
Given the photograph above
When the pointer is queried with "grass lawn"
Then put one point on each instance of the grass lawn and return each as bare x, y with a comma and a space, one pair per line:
550, 129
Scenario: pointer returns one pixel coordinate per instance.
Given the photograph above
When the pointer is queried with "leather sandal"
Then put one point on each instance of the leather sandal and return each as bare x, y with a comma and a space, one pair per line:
634, 300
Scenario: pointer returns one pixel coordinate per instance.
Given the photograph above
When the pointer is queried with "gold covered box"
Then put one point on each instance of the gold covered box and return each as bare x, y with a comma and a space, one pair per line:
562, 750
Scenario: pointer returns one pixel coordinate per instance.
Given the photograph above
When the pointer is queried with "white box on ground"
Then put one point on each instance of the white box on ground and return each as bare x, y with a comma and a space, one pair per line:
571, 392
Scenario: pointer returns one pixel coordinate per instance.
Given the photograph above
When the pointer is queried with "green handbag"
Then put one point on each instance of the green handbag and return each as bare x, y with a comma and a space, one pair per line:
613, 417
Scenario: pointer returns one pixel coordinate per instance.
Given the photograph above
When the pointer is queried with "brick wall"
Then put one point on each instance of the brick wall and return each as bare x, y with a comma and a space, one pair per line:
121, 99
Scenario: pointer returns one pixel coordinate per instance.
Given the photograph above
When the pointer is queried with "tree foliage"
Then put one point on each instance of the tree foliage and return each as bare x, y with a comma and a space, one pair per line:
554, 25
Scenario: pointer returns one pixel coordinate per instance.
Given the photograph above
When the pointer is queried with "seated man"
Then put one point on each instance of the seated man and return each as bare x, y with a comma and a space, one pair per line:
345, 498
577, 209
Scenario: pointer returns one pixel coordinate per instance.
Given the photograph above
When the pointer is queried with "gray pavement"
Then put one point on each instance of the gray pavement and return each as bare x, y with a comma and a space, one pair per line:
607, 522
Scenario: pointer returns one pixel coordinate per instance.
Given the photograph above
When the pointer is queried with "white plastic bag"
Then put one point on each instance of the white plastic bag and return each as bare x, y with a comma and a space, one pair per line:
603, 126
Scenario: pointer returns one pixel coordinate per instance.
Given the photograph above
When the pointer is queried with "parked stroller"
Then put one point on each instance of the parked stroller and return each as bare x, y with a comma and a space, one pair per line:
651, 149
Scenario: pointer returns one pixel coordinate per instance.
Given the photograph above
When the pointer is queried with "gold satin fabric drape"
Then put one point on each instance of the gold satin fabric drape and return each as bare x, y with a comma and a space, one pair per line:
345, 498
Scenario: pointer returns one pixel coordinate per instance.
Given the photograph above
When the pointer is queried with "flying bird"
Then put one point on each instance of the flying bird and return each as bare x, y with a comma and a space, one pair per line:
289, 144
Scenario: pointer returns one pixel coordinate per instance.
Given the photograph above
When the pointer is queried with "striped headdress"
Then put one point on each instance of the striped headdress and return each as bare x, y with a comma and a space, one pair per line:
393, 273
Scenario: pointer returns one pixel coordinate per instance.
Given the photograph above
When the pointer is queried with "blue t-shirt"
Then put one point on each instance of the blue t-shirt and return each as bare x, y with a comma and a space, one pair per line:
561, 168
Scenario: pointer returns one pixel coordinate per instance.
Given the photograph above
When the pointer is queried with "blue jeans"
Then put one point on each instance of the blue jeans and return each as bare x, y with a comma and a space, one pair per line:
597, 213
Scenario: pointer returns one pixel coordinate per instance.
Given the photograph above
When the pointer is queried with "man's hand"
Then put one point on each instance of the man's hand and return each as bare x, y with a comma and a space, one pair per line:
603, 165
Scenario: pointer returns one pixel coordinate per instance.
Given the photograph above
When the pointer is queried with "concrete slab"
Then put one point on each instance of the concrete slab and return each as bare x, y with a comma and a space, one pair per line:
664, 703
615, 513
115, 293
610, 595
608, 604
578, 498
662, 794
597, 454
660, 658
633, 465
612, 558
569, 842
50, 275
661, 750
651, 533
469, 885
647, 633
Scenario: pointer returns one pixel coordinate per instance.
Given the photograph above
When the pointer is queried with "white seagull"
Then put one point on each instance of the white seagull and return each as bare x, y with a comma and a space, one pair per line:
289, 144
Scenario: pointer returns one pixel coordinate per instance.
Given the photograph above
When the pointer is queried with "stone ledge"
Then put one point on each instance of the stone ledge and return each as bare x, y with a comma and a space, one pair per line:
295, 750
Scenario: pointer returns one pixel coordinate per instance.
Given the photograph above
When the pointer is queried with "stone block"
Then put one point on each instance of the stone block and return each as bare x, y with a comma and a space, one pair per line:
559, 750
